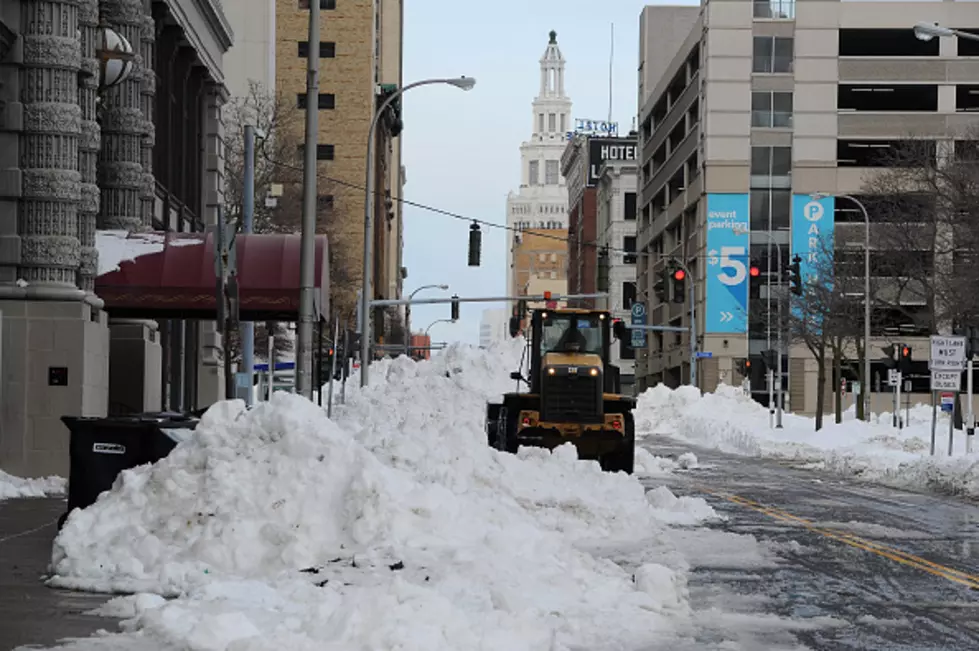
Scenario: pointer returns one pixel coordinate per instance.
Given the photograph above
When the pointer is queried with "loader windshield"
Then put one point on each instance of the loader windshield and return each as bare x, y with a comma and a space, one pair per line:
571, 333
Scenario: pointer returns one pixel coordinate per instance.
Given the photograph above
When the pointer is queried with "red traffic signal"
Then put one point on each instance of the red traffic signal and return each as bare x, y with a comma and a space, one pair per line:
905, 351
754, 271
679, 274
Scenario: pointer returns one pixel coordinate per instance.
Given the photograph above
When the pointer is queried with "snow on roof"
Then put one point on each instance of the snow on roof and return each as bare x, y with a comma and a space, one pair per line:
118, 246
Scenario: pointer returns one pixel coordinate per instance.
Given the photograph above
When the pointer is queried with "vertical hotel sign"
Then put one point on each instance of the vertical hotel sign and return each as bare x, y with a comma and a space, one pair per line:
813, 221
728, 242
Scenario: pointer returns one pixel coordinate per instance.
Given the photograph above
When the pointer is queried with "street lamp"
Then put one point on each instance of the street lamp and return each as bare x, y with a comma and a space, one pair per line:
465, 83
866, 301
429, 328
115, 55
926, 31
408, 313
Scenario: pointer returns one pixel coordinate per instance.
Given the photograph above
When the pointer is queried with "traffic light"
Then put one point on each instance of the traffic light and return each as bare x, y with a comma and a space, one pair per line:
889, 352
325, 365
455, 307
770, 359
904, 365
475, 244
744, 367
754, 271
679, 283
795, 275
659, 287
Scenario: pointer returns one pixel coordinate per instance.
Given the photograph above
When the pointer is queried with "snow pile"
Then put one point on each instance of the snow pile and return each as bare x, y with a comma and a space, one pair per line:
396, 526
11, 486
118, 246
730, 421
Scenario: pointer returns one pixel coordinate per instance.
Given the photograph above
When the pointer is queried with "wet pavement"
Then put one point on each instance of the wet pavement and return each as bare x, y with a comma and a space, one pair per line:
900, 569
31, 613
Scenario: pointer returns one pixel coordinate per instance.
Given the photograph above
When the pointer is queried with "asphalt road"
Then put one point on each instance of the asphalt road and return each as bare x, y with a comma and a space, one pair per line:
900, 569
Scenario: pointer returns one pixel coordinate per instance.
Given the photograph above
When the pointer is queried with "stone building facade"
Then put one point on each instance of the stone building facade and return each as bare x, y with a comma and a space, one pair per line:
75, 157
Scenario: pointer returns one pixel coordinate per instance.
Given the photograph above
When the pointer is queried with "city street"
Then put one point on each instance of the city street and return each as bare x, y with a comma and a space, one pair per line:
900, 568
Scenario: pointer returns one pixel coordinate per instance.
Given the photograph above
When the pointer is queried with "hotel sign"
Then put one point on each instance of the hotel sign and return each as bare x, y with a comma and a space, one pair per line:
609, 150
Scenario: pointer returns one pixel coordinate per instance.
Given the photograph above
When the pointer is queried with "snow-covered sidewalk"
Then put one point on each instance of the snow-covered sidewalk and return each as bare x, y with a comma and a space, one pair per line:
730, 421
392, 526
12, 487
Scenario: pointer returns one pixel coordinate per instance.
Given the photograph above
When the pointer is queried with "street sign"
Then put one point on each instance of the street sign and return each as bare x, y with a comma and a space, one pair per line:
638, 317
947, 353
704, 354
948, 402
946, 380
856, 388
893, 377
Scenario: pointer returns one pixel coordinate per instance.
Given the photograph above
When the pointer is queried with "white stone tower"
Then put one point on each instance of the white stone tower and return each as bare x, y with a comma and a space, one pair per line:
542, 200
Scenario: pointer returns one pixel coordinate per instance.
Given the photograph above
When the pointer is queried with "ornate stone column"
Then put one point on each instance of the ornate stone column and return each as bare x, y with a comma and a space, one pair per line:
121, 173
147, 51
48, 220
89, 143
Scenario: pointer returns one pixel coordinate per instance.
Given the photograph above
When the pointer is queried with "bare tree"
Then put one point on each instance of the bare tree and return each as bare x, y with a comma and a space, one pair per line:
827, 316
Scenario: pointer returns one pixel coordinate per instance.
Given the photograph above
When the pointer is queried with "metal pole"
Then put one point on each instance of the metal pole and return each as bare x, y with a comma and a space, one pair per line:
934, 422
408, 313
247, 226
436, 323
866, 308
272, 361
333, 368
307, 251
693, 332
779, 398
346, 366
951, 428
970, 425
367, 280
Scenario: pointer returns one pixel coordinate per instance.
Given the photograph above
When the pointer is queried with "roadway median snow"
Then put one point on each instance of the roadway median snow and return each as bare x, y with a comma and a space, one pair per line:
392, 526
730, 421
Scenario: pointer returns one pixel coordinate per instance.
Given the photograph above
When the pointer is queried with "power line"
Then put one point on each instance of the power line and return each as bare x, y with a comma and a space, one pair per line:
448, 213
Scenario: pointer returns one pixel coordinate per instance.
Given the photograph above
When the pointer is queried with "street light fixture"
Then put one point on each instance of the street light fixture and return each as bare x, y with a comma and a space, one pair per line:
867, 298
926, 31
430, 327
465, 83
408, 313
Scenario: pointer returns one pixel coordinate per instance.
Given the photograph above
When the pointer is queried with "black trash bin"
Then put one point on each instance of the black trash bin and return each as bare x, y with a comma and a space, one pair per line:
101, 448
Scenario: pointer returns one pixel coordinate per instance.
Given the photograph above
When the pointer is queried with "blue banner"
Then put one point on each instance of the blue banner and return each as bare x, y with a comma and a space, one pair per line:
728, 245
813, 221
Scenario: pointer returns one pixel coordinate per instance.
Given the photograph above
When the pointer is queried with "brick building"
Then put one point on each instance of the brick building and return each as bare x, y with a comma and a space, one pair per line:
360, 64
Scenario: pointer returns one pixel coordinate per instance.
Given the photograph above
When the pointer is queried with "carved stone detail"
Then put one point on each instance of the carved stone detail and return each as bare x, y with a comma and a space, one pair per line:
147, 50
89, 145
49, 144
121, 168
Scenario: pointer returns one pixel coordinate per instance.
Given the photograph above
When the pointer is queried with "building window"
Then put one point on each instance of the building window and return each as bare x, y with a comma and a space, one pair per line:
775, 9
540, 123
324, 4
552, 122
772, 54
771, 110
629, 244
771, 167
323, 152
630, 206
324, 203
564, 124
533, 173
770, 209
550, 172
326, 101
328, 49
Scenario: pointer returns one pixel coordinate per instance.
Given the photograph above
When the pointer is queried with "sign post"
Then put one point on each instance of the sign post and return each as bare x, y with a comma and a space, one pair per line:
946, 362
894, 381
638, 318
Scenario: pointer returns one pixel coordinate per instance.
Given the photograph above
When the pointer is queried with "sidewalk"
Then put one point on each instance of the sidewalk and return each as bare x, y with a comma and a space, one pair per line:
34, 614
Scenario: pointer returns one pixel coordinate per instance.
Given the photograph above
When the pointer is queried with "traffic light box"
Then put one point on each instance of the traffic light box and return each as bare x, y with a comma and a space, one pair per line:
659, 287
679, 285
744, 367
904, 362
795, 276
455, 308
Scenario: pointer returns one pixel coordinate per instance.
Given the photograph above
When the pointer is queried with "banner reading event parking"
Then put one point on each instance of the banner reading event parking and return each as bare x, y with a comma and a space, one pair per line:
728, 243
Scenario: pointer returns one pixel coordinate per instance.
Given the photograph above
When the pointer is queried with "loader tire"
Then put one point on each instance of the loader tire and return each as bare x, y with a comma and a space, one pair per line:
623, 459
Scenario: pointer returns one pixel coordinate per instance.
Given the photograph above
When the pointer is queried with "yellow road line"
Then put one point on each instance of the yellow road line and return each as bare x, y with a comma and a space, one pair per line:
880, 549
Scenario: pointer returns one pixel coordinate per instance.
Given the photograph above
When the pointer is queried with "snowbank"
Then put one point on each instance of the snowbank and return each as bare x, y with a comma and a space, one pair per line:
11, 486
393, 526
730, 421
118, 246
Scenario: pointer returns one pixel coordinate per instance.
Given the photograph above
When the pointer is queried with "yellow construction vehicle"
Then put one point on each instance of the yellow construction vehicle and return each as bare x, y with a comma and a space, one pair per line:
574, 391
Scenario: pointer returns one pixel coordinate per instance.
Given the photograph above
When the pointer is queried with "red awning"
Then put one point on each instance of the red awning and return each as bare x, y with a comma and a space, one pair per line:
178, 282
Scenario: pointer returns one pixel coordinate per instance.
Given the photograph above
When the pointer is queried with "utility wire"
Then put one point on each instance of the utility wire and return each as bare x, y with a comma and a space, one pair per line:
448, 213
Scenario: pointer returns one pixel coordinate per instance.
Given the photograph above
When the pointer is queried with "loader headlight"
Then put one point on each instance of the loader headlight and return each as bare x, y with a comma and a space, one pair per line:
593, 372
551, 370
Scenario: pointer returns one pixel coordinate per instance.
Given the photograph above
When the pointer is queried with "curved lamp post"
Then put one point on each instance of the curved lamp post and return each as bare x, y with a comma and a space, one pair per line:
408, 314
436, 323
865, 397
465, 83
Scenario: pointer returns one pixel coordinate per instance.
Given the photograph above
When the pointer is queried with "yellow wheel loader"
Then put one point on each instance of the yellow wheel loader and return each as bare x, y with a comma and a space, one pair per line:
573, 391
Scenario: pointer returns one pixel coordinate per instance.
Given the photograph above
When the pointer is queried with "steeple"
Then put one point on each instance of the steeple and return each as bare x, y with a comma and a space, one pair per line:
552, 70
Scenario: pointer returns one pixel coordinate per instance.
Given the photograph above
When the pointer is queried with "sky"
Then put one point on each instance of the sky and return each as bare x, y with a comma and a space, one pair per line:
461, 150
